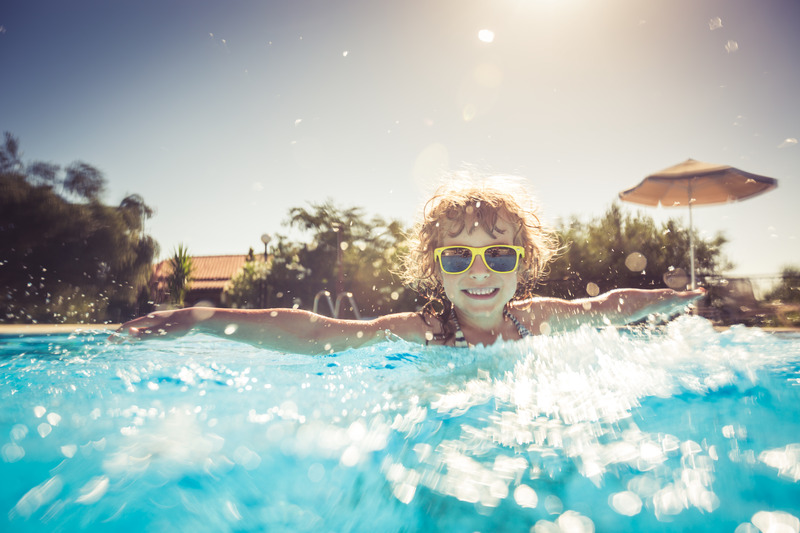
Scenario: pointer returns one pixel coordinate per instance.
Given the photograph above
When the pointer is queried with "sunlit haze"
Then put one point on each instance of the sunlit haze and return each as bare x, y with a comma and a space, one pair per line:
223, 115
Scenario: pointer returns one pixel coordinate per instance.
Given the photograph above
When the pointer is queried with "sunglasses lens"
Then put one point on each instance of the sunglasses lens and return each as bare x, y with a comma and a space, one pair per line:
501, 258
455, 260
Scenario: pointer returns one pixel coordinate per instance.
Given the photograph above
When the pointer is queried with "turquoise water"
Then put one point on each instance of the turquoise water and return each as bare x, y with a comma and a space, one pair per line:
675, 429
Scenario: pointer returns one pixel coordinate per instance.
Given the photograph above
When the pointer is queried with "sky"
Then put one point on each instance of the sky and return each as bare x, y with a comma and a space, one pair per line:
224, 115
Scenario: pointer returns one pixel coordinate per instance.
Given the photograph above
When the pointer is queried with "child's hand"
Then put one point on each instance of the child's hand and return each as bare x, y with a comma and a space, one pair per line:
674, 301
159, 325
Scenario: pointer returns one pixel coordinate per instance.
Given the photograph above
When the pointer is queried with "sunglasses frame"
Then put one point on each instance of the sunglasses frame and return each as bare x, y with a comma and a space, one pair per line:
479, 252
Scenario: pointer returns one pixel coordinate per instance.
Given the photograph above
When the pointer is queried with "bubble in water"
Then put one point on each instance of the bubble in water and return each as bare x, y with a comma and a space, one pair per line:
526, 496
545, 526
636, 262
316, 473
44, 429
731, 46
13, 453
19, 431
574, 522
785, 460
69, 450
39, 411
715, 23
351, 456
53, 418
626, 503
230, 329
776, 522
246, 457
93, 490
553, 505
592, 289
39, 495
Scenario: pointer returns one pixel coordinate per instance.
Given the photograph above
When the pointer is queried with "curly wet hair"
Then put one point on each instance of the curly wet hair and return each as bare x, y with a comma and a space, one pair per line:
476, 203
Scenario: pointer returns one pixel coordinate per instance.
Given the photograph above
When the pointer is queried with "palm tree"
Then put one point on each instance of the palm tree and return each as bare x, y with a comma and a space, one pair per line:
180, 275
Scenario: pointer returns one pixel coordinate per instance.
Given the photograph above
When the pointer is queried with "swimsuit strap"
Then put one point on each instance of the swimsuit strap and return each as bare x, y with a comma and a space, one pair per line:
521, 329
461, 342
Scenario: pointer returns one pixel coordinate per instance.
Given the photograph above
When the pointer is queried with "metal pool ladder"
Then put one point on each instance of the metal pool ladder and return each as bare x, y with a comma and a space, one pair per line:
335, 308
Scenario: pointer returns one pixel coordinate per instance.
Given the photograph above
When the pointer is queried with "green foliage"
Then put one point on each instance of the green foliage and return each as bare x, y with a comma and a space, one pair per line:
788, 290
180, 275
247, 288
346, 252
62, 261
624, 250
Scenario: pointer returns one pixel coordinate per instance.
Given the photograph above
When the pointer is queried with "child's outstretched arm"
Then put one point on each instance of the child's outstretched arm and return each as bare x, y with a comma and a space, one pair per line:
617, 307
288, 330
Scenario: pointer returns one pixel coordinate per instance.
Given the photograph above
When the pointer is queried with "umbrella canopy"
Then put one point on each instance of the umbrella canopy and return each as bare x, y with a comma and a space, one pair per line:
695, 182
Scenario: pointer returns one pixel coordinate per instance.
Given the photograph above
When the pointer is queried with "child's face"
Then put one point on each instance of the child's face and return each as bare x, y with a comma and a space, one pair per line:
479, 292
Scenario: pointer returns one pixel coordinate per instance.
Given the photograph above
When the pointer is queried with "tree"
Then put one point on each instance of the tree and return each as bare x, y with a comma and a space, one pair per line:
346, 252
788, 290
84, 181
62, 261
247, 288
180, 275
624, 250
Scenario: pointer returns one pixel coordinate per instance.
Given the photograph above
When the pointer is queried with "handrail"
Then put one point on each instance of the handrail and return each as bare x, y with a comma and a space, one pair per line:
353, 305
335, 308
327, 296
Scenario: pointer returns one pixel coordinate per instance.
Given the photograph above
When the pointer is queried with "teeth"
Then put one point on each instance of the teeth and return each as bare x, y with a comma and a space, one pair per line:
480, 292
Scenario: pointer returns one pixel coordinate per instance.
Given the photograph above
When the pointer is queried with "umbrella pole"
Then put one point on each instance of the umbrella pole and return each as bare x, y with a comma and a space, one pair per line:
691, 240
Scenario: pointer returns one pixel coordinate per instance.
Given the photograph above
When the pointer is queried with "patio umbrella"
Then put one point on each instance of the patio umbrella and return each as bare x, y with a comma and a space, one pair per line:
694, 182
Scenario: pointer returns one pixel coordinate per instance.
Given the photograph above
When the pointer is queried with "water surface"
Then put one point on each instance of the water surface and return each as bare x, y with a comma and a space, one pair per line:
679, 428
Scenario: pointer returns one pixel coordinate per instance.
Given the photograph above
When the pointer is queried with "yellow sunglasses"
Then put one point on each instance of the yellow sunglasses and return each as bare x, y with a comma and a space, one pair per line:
499, 258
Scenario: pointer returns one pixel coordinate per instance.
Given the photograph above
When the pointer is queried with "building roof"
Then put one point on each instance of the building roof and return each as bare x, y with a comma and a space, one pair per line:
209, 272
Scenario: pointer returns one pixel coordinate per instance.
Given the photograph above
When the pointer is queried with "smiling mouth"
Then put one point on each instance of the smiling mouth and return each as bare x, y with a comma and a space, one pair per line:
481, 292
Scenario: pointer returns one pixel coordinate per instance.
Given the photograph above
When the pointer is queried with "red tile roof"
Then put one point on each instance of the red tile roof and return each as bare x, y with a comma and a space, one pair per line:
209, 272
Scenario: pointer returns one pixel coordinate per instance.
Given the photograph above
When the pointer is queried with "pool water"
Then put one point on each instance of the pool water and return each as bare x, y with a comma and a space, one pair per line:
679, 428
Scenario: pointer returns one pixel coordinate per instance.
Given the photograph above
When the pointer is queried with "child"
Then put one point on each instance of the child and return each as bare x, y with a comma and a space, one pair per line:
475, 255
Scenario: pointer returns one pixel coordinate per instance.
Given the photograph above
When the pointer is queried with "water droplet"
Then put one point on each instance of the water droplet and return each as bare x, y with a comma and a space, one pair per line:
526, 497
636, 262
69, 450
592, 289
625, 503
93, 490
316, 472
12, 453
487, 36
